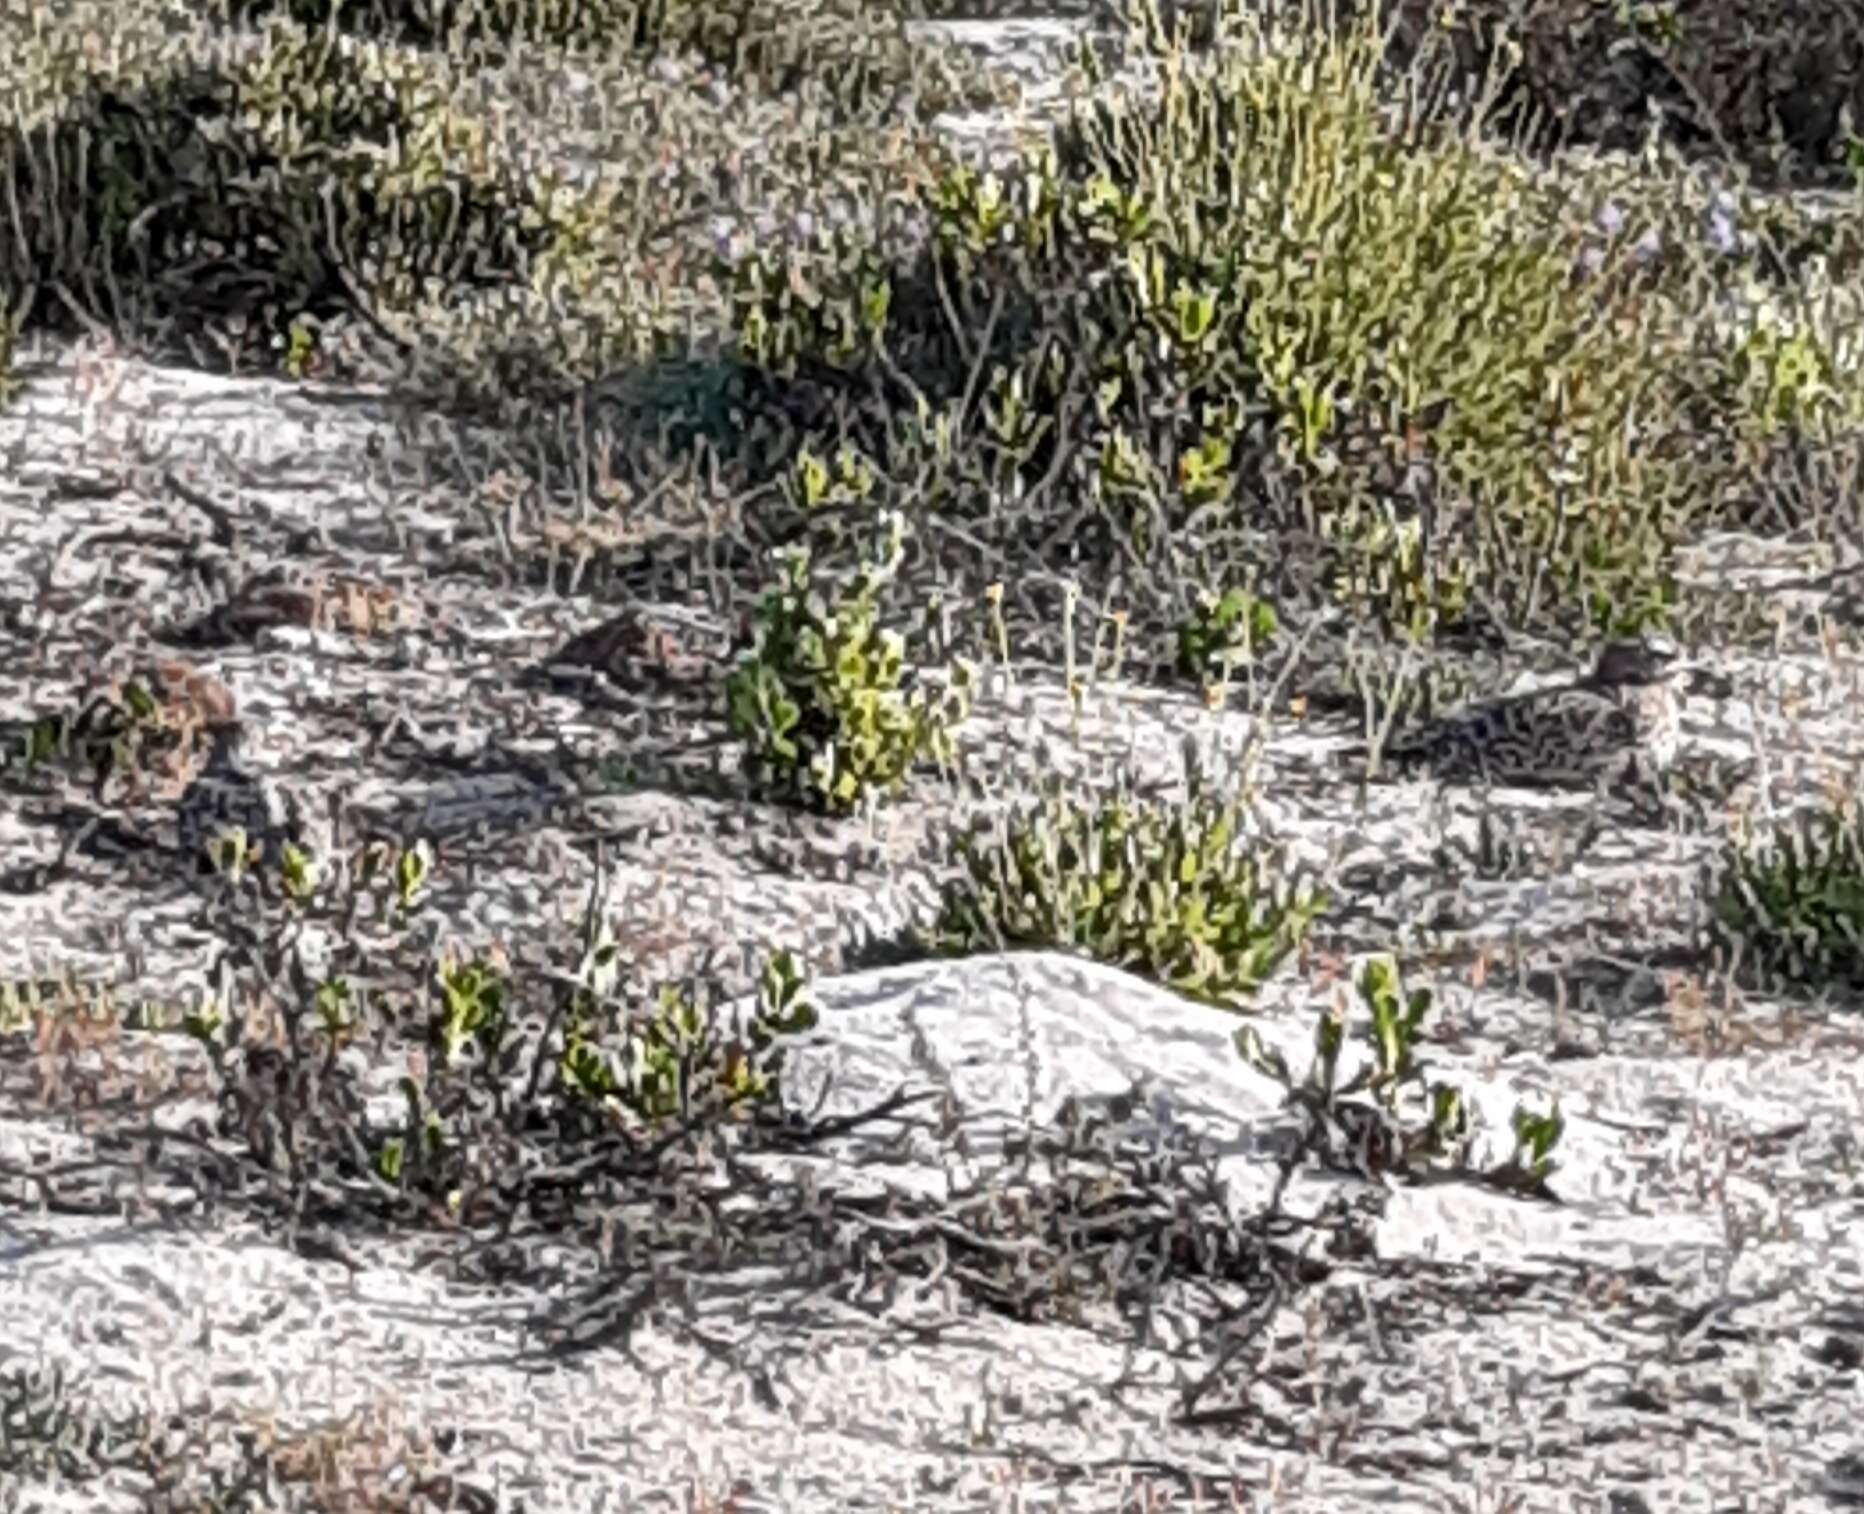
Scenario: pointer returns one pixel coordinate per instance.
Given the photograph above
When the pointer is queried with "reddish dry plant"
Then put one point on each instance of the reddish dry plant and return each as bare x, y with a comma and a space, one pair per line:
1713, 1029
317, 602
369, 1462
79, 1056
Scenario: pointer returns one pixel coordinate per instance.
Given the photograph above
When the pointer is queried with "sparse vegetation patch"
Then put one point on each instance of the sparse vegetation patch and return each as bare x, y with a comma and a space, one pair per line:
1789, 902
1179, 893
690, 335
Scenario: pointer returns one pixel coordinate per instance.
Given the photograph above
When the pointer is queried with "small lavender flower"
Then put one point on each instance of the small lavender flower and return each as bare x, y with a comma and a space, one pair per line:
1720, 230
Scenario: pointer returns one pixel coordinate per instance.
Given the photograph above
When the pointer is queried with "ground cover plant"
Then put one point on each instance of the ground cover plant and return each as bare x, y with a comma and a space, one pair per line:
1182, 893
1287, 370
1380, 296
1789, 903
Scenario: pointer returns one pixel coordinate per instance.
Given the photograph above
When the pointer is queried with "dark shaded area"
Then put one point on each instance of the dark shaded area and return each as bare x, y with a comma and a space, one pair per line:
1763, 83
175, 217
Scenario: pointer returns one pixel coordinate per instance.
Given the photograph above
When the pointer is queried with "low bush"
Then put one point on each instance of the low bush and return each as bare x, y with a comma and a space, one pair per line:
823, 698
1410, 1123
1179, 893
1788, 905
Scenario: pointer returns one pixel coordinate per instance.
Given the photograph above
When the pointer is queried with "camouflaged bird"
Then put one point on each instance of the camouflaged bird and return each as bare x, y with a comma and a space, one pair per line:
226, 796
1621, 719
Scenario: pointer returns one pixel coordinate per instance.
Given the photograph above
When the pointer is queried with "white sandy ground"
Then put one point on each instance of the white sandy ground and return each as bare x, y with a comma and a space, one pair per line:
1722, 1377
1711, 1380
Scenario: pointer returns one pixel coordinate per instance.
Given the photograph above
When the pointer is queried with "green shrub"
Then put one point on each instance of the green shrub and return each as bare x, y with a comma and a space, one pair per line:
1177, 893
621, 1065
821, 700
1371, 275
1791, 366
1224, 632
676, 1064
1233, 305
1788, 906
1383, 572
1411, 1122
320, 176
